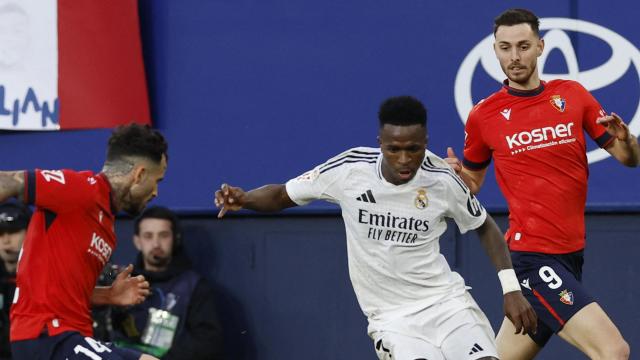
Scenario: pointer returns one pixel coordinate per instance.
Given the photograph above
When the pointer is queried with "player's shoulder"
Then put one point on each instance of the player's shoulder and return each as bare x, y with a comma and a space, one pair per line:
486, 104
564, 84
436, 167
360, 151
352, 158
64, 176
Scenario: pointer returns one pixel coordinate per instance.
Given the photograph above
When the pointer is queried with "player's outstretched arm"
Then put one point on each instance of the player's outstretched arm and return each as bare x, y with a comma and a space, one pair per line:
267, 198
126, 290
625, 147
516, 307
472, 178
11, 185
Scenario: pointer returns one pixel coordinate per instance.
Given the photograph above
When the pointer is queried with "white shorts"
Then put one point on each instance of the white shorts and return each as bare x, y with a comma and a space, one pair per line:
452, 330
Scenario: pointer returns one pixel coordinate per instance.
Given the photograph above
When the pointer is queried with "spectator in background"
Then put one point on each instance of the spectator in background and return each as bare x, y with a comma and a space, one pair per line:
14, 218
190, 329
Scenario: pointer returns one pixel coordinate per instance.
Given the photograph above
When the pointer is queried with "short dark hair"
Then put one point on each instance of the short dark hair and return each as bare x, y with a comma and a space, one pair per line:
403, 111
163, 213
136, 140
517, 16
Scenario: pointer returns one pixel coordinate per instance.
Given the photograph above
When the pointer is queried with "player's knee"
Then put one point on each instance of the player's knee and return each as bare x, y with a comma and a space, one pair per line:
618, 350
488, 358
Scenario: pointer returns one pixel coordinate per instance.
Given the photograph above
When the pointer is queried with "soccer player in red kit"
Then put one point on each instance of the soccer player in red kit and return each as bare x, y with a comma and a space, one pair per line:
535, 132
69, 240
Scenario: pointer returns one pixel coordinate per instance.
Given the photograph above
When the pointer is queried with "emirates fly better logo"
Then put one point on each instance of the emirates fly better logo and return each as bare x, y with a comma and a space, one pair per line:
623, 55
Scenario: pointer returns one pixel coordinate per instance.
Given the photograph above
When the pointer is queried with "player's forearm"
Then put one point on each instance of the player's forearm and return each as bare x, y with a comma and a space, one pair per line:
629, 151
494, 245
268, 198
473, 179
101, 296
11, 185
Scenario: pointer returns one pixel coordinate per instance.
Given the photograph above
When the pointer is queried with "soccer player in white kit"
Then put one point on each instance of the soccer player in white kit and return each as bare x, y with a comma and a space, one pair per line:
394, 202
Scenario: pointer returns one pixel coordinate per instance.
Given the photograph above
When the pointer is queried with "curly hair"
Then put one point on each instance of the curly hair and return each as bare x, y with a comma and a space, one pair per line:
136, 140
403, 111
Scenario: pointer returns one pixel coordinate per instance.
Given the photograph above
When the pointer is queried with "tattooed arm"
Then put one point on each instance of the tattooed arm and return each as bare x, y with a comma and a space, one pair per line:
11, 185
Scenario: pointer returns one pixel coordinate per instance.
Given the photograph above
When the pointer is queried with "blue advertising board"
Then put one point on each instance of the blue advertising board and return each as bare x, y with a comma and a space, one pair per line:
253, 92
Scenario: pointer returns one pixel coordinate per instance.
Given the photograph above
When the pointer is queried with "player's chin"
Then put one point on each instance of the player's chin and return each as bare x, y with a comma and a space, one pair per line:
405, 176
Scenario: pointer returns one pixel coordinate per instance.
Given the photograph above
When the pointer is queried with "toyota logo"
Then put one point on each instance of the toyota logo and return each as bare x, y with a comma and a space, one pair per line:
623, 54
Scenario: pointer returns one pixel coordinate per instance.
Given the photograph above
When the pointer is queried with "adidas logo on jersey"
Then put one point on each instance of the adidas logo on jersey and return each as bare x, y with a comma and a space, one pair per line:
475, 349
367, 197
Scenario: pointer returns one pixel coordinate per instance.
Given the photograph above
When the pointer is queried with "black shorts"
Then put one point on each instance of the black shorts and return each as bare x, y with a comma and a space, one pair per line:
69, 345
553, 286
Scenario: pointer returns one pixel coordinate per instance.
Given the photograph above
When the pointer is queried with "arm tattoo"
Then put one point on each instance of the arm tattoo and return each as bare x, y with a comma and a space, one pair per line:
11, 185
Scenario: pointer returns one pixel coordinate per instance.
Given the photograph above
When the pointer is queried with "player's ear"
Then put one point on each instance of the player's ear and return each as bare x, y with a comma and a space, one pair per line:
379, 141
136, 242
540, 46
139, 172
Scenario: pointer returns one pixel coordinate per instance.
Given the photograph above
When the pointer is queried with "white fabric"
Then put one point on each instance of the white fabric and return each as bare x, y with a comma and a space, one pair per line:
452, 330
393, 246
28, 62
508, 281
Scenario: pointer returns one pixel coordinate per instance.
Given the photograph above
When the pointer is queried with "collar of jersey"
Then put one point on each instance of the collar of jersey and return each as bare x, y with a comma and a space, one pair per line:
523, 93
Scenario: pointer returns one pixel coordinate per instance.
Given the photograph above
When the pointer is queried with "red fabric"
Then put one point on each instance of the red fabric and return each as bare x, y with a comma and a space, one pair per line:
61, 259
101, 80
545, 187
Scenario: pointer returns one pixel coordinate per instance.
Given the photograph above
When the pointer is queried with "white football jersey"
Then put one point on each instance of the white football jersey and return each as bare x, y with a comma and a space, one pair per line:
392, 230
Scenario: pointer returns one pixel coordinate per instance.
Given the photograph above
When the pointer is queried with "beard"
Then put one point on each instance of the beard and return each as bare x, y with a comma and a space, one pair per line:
133, 206
524, 74
158, 260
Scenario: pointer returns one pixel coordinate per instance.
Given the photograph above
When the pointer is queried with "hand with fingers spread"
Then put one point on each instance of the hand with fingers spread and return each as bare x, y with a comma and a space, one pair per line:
229, 198
453, 161
128, 290
519, 311
615, 126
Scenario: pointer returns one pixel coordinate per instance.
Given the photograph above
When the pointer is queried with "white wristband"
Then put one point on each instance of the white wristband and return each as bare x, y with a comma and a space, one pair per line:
508, 280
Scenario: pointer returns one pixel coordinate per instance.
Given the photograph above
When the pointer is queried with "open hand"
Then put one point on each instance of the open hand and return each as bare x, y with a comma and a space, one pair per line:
615, 126
519, 311
453, 161
127, 290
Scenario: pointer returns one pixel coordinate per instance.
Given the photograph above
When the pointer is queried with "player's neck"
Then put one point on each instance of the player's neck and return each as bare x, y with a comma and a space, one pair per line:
532, 83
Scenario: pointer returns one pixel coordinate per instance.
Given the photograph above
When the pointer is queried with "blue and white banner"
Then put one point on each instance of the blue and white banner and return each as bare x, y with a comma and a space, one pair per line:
28, 65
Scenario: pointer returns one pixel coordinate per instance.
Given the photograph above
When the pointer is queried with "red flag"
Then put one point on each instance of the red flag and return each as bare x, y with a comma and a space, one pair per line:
101, 79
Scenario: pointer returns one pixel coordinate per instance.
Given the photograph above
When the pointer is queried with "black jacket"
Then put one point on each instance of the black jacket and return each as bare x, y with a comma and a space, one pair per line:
7, 288
201, 336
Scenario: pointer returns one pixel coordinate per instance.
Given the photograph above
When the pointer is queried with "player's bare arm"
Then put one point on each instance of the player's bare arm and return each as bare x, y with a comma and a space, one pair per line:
516, 307
126, 290
267, 198
472, 178
625, 146
11, 185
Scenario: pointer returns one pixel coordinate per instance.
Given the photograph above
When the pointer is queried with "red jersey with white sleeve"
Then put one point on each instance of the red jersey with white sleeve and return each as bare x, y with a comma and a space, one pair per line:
537, 141
68, 242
